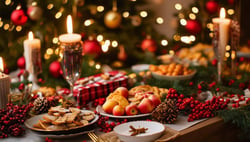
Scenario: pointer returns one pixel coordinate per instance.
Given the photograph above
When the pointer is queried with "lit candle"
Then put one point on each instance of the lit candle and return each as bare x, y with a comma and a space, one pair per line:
70, 37
31, 51
4, 86
223, 24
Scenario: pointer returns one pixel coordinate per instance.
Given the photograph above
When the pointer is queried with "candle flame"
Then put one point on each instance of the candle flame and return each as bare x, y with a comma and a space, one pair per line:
69, 24
1, 64
222, 13
30, 36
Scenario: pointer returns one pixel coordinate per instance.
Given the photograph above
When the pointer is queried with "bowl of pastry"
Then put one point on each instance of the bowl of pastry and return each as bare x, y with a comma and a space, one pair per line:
60, 121
173, 71
144, 131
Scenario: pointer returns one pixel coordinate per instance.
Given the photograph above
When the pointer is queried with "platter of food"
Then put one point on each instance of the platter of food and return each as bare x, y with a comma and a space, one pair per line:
172, 71
61, 121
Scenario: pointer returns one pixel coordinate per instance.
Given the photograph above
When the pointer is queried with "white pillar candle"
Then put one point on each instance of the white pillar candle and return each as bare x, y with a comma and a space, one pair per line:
223, 25
31, 48
70, 37
4, 86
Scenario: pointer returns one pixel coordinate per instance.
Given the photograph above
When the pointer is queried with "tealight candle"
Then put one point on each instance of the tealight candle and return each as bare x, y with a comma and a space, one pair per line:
4, 86
70, 37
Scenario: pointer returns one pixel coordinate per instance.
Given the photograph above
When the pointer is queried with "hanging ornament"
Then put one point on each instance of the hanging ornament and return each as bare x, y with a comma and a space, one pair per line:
193, 27
136, 20
122, 54
149, 44
212, 7
92, 47
18, 17
113, 19
21, 63
55, 69
34, 12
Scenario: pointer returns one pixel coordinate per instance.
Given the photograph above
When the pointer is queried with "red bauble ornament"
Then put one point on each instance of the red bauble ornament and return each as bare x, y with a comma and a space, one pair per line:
149, 44
18, 17
21, 63
55, 69
212, 7
231, 2
92, 47
193, 27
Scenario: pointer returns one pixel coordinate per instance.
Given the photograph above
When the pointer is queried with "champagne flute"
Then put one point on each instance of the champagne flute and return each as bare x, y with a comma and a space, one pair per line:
71, 62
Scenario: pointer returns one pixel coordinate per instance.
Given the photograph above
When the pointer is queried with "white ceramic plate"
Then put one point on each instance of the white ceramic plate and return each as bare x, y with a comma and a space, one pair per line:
178, 77
155, 130
33, 120
103, 113
63, 136
140, 67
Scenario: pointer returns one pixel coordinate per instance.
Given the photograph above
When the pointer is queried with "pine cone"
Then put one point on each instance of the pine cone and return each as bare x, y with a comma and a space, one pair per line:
41, 105
166, 112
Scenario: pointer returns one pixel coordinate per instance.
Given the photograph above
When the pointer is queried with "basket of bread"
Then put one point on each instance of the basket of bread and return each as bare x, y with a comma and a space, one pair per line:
173, 71
59, 120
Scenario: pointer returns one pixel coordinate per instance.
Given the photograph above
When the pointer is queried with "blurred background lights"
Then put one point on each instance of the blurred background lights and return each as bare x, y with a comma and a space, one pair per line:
98, 66
100, 8
125, 14
183, 22
18, 28
50, 6
99, 38
195, 10
178, 6
181, 15
230, 11
164, 42
159, 20
114, 43
6, 26
55, 40
7, 2
192, 16
143, 14
228, 47
49, 51
88, 22
171, 52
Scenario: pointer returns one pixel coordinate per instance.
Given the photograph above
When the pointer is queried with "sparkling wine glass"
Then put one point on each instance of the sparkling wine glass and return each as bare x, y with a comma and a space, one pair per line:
71, 62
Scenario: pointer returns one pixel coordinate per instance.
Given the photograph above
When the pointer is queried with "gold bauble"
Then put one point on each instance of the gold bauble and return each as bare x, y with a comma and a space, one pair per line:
112, 19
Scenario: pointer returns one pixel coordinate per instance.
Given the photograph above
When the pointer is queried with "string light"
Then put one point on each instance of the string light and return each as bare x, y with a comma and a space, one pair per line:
178, 6
91, 63
125, 14
59, 13
1, 23
107, 42
143, 14
192, 16
228, 47
188, 39
57, 51
88, 22
34, 3
100, 8
159, 20
183, 22
227, 54
6, 27
195, 10
46, 56
18, 28
210, 26
7, 2
105, 48
99, 38
114, 43
55, 40
49, 51
98, 66
50, 6
230, 11
164, 42
176, 37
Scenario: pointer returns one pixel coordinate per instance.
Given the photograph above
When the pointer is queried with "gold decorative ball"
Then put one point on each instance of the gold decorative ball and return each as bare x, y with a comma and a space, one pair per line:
112, 19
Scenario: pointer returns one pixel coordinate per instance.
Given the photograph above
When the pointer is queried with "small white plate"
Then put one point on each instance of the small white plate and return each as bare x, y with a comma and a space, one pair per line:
178, 77
140, 67
155, 130
103, 113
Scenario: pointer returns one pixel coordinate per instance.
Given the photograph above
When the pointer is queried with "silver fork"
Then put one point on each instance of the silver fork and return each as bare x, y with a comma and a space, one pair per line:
93, 136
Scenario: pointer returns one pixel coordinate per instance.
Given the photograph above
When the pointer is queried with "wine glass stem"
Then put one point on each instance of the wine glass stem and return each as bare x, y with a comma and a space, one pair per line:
71, 90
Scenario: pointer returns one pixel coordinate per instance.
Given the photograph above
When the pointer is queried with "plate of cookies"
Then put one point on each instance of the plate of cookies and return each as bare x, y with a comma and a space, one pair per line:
61, 121
173, 71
